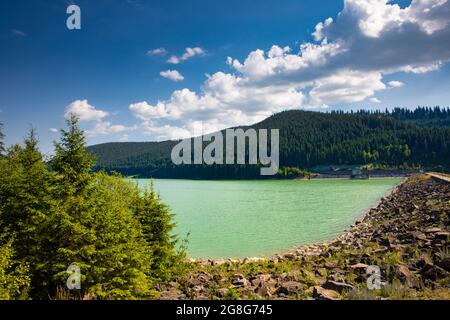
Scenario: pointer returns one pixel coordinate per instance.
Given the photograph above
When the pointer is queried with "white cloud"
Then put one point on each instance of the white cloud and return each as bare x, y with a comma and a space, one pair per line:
189, 53
173, 75
106, 128
85, 111
157, 52
346, 87
375, 100
54, 130
395, 84
345, 64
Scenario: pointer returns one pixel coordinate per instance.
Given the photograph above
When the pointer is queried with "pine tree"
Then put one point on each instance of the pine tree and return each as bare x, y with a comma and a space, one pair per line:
72, 161
157, 224
26, 203
14, 278
94, 226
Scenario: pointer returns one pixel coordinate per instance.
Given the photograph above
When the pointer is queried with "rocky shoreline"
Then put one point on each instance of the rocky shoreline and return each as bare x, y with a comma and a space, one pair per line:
405, 238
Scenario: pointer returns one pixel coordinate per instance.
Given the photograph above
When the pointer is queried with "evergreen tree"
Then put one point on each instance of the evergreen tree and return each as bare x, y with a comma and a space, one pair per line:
94, 226
157, 226
26, 203
71, 160
14, 278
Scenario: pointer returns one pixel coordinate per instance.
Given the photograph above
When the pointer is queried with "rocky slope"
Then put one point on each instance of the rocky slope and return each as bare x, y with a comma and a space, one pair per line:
405, 238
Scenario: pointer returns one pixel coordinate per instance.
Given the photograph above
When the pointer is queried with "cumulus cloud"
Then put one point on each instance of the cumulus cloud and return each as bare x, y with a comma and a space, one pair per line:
54, 130
346, 63
157, 52
395, 84
106, 128
173, 75
189, 53
85, 111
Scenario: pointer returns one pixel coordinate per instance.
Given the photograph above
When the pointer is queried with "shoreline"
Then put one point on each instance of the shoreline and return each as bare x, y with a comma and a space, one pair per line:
406, 237
304, 248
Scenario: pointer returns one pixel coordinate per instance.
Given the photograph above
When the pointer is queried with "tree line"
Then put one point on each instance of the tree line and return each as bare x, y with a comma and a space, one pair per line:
60, 213
397, 138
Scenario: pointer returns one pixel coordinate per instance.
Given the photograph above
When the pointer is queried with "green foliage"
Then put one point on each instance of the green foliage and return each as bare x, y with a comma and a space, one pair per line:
118, 236
307, 140
157, 226
14, 278
71, 160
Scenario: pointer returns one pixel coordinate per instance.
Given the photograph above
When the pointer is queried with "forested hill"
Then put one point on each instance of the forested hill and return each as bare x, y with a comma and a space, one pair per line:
308, 139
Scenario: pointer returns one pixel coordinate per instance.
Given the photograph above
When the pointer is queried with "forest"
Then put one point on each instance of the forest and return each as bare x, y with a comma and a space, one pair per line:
401, 137
59, 213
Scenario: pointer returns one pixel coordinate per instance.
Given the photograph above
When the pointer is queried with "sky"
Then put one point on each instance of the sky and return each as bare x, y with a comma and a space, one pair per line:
153, 70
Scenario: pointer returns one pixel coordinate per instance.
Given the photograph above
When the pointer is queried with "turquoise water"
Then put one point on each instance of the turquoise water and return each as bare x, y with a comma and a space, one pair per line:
235, 219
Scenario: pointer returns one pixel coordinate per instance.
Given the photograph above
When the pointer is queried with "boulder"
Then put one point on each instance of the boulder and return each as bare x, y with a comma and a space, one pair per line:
337, 286
290, 287
222, 292
239, 280
409, 278
320, 293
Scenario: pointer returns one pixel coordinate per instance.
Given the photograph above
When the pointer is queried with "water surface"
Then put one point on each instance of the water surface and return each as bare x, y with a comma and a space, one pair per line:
235, 219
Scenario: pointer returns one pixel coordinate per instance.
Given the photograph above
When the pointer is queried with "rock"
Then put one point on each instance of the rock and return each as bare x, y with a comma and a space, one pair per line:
444, 264
171, 295
264, 291
442, 235
320, 293
290, 287
290, 256
239, 280
260, 280
222, 292
433, 272
359, 267
433, 230
420, 236
337, 286
408, 277
321, 272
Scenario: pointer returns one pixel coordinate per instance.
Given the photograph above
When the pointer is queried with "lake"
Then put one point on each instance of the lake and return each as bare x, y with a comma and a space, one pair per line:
236, 219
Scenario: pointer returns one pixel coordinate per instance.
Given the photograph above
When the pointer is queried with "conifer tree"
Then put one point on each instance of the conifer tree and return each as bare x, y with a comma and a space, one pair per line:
14, 278
71, 160
157, 224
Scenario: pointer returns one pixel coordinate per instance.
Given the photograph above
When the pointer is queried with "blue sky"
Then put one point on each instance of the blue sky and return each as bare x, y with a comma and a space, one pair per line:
108, 72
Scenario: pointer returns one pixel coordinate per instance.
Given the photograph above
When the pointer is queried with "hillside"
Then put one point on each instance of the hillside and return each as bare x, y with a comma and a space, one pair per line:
307, 139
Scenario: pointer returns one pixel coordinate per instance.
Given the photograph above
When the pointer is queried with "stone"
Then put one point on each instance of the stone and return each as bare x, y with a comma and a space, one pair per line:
264, 291
222, 292
320, 293
338, 286
408, 277
290, 287
359, 267
239, 280
171, 295
433, 272
444, 264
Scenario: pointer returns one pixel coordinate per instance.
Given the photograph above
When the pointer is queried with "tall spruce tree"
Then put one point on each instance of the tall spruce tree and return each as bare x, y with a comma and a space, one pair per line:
94, 226
71, 160
26, 203
157, 224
